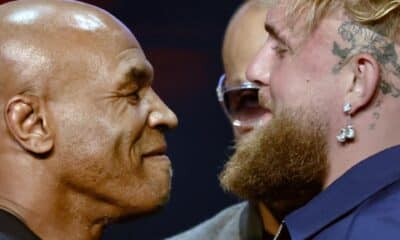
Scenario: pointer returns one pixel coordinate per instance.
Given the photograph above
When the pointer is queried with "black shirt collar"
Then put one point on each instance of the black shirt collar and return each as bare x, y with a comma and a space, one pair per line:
14, 229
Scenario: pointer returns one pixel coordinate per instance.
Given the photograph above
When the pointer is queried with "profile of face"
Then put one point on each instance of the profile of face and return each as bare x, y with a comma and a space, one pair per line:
110, 130
244, 36
111, 126
287, 159
106, 121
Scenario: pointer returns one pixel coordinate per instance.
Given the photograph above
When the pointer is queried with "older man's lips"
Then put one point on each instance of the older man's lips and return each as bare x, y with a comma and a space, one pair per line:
158, 153
162, 158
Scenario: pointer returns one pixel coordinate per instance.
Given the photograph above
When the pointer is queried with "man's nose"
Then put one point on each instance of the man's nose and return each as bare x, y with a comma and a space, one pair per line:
161, 115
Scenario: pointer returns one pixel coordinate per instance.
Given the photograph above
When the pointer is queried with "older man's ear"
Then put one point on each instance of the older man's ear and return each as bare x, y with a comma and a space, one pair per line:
26, 120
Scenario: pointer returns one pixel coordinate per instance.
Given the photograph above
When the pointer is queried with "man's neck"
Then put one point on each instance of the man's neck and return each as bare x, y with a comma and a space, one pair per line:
368, 142
72, 218
65, 217
270, 224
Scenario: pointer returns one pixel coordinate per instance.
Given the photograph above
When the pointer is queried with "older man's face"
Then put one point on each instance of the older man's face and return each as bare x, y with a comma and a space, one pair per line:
109, 121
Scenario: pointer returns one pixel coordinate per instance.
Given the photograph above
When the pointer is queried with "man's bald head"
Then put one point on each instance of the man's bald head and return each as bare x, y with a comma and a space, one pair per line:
39, 38
244, 36
81, 143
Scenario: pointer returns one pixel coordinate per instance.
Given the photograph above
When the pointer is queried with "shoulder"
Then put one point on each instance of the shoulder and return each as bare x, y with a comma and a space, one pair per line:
224, 225
379, 216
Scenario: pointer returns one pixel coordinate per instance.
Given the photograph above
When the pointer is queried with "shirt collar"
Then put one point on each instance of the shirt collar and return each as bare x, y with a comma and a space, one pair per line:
347, 192
14, 228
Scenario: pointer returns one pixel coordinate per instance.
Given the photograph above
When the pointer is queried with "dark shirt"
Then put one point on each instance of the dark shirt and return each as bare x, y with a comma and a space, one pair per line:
363, 204
11, 228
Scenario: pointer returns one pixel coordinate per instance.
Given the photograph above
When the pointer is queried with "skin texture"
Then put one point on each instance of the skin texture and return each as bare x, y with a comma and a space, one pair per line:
338, 62
244, 36
83, 131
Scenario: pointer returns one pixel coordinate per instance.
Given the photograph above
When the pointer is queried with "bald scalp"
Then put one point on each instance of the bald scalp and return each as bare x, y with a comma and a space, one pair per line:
40, 38
249, 7
245, 32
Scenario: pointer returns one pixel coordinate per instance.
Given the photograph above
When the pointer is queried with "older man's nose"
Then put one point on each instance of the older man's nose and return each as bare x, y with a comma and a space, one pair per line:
161, 115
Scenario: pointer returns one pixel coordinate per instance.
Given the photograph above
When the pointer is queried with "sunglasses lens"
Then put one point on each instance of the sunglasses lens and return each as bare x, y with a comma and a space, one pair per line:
242, 104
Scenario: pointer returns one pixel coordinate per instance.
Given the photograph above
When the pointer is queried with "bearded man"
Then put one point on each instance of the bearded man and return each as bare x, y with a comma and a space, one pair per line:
330, 76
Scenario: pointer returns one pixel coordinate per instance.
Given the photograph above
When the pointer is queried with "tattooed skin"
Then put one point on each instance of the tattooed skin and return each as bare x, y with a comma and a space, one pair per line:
388, 88
375, 115
364, 40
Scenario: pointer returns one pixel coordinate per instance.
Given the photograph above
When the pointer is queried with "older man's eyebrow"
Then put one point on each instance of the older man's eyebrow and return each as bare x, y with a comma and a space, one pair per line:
142, 75
272, 31
138, 75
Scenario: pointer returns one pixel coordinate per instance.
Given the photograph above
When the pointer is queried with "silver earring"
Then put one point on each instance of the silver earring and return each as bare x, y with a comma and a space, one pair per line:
347, 133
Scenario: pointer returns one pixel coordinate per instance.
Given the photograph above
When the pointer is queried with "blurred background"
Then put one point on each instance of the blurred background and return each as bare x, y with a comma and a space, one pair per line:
182, 39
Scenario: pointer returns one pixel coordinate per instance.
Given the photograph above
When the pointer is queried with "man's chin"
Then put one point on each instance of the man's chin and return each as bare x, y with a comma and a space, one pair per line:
131, 213
279, 161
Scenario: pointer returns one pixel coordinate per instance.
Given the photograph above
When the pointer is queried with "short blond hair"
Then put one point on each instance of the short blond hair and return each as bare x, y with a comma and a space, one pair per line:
381, 16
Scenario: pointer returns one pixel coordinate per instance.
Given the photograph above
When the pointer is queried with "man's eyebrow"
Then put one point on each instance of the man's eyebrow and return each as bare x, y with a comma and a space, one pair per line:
140, 76
275, 34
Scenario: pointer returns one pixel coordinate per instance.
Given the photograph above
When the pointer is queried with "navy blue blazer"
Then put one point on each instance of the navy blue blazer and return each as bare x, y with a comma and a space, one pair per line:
363, 204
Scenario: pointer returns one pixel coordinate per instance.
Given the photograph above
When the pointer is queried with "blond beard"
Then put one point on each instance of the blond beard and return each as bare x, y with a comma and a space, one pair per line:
282, 164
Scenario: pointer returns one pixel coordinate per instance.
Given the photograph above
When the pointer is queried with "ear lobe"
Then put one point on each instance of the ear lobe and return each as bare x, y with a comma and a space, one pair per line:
25, 117
367, 74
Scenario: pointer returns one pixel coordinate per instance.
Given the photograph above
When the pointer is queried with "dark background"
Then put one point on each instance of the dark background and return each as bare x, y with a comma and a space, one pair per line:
182, 39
